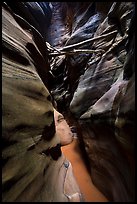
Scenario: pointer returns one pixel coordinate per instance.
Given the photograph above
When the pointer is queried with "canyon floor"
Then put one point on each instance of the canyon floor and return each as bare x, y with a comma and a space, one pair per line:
73, 153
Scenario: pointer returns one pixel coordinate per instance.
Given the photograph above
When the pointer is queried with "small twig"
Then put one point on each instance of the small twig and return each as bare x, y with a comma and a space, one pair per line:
116, 44
77, 52
51, 47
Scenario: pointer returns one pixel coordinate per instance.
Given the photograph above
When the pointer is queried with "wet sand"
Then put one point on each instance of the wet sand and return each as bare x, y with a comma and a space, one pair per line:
73, 154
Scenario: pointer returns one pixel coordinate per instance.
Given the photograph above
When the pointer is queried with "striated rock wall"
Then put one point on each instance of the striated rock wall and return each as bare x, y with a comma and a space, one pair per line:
105, 103
33, 166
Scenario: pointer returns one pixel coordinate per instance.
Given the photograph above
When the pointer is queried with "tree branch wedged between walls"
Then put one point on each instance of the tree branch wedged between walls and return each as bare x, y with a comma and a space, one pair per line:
67, 50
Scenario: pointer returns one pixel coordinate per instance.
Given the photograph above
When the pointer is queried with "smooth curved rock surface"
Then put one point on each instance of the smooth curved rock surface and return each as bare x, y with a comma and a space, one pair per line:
38, 14
33, 166
65, 134
103, 71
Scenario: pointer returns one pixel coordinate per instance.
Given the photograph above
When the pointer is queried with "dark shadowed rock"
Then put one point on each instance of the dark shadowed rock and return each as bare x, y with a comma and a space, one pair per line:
38, 14
83, 26
105, 102
111, 170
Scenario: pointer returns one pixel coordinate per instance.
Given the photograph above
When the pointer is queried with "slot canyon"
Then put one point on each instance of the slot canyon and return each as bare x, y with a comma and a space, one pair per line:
68, 101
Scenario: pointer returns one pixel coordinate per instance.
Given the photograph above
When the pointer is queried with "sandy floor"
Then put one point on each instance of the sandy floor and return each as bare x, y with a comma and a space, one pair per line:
89, 191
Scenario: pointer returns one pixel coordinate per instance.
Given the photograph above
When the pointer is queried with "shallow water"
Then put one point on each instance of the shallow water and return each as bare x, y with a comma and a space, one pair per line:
74, 155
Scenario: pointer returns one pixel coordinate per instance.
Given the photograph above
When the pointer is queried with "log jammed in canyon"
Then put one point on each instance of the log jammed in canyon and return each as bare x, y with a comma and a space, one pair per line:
68, 79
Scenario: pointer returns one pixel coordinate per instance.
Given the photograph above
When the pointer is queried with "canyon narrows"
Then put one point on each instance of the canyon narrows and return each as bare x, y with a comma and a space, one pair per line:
68, 101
